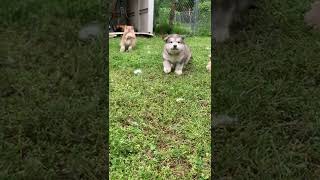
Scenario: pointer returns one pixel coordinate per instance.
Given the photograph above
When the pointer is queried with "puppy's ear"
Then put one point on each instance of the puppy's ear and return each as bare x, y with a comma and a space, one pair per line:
125, 28
166, 37
183, 37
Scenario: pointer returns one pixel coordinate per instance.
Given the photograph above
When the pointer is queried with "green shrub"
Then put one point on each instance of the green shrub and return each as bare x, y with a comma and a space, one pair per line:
163, 28
180, 29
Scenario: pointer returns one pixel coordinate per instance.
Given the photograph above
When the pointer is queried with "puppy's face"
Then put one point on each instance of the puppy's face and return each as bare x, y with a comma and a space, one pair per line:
128, 29
174, 43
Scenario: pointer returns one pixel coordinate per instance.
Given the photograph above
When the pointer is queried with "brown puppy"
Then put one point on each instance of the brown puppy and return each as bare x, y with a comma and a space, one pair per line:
128, 40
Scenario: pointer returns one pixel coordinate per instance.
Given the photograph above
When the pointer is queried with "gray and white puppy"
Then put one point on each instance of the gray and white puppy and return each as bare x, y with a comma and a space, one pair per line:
224, 13
176, 54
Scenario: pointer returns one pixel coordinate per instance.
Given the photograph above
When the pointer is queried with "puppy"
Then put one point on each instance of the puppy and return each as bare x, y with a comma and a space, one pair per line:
176, 54
224, 13
128, 40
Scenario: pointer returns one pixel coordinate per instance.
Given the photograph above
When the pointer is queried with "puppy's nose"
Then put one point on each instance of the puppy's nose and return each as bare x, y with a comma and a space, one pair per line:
175, 46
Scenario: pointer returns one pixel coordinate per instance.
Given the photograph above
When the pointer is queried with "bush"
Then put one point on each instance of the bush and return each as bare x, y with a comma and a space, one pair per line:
180, 29
163, 28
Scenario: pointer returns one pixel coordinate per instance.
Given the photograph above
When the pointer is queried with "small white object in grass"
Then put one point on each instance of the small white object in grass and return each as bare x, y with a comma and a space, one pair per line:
208, 48
179, 99
135, 123
137, 71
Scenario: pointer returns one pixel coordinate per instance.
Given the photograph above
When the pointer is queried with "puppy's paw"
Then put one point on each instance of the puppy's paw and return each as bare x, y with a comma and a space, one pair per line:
122, 49
178, 72
166, 70
130, 48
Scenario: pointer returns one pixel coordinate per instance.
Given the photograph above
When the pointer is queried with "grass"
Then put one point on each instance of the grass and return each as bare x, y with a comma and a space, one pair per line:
268, 76
51, 126
152, 136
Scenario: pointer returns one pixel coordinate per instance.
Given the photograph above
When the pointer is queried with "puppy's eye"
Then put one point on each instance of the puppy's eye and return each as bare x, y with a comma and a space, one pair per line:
170, 41
179, 42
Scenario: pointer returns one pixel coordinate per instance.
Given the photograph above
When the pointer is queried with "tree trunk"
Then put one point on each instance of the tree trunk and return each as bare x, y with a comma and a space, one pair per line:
172, 14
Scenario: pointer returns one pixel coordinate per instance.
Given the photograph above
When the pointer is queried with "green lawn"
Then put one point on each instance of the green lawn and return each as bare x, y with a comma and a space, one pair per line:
152, 135
52, 124
268, 75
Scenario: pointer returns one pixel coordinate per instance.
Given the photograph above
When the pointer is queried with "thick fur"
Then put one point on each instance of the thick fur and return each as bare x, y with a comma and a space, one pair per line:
128, 40
176, 54
224, 13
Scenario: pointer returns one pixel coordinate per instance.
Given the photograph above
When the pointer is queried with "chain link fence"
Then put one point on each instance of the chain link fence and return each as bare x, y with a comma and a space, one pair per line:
183, 17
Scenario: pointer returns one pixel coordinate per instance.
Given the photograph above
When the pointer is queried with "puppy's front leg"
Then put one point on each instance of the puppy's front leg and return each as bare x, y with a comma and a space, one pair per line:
122, 48
178, 69
166, 66
129, 48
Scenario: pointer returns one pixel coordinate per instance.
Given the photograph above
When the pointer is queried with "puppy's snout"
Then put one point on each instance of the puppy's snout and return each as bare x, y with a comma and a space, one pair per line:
175, 46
